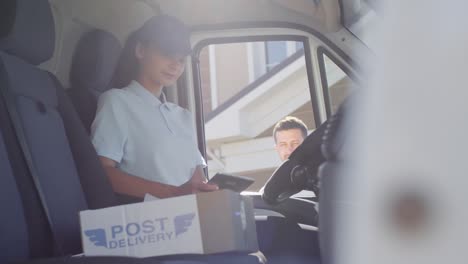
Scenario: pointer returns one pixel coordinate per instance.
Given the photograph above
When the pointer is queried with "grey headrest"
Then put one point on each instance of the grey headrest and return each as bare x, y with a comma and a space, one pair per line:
27, 29
94, 61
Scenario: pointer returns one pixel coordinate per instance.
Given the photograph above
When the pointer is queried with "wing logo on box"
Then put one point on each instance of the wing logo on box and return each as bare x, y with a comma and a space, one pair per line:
97, 236
155, 230
182, 223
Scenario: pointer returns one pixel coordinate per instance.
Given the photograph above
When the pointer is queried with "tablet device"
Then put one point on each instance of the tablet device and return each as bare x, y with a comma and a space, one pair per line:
231, 182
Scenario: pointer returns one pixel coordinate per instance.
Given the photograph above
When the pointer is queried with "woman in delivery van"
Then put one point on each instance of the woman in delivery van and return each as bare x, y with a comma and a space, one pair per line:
146, 144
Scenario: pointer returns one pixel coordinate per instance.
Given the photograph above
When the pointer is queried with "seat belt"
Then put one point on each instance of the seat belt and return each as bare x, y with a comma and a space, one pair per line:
9, 101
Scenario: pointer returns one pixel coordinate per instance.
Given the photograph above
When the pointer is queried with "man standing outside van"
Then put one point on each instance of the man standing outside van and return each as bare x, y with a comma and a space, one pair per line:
288, 134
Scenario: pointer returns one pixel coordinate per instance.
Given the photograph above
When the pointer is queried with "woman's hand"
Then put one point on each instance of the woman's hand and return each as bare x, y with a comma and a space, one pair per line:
196, 184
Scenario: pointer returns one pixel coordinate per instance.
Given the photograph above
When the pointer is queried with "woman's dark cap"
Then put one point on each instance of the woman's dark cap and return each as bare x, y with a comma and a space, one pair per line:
170, 35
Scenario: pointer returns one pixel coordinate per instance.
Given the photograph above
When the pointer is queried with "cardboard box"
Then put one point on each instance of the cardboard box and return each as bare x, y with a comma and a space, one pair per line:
203, 223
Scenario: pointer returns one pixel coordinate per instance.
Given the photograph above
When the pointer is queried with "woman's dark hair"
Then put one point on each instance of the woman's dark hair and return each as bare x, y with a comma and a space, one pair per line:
128, 66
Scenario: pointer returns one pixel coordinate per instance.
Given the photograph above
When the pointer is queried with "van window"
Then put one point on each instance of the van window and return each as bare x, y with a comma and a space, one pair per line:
336, 83
247, 87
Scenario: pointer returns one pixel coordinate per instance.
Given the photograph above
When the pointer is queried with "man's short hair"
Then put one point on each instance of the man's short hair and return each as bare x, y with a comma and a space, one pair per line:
290, 122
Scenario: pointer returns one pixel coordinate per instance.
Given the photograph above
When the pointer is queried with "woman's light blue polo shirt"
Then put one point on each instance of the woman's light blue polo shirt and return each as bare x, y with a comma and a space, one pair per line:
148, 138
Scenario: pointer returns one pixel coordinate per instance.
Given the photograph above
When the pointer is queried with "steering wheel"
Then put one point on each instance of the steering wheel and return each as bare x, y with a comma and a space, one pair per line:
299, 172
